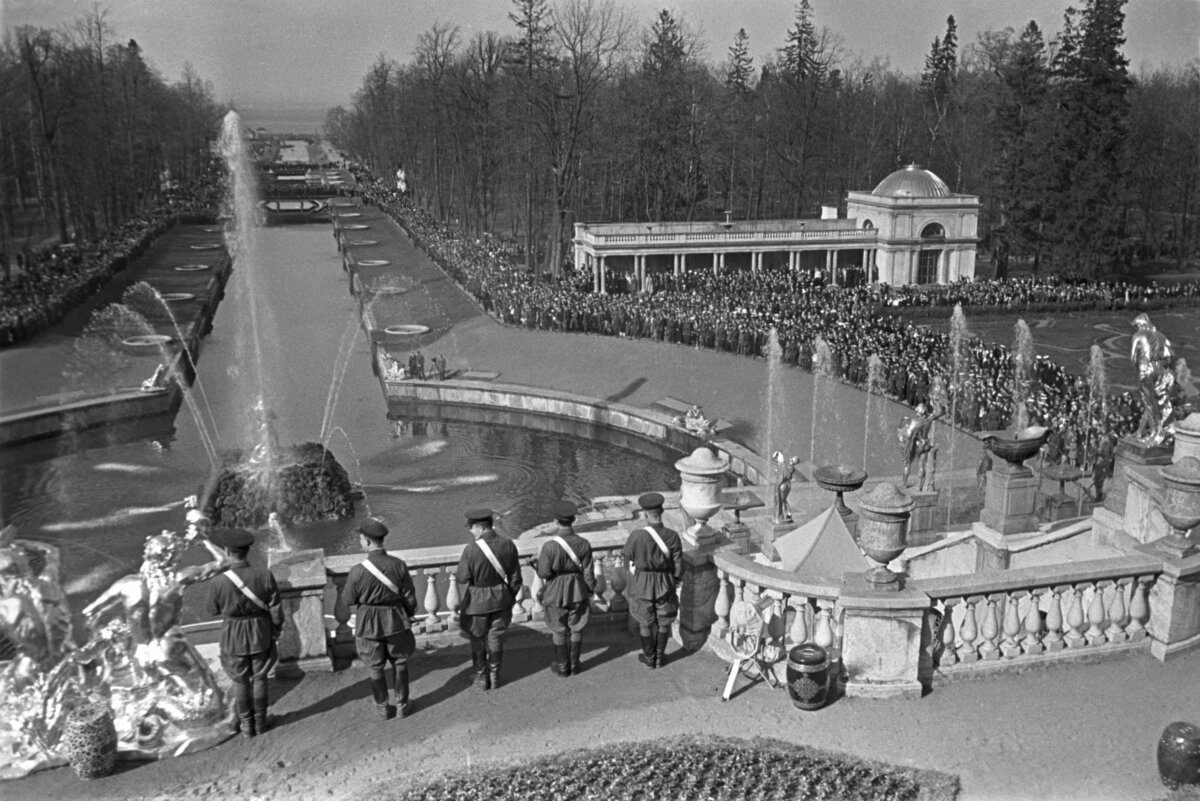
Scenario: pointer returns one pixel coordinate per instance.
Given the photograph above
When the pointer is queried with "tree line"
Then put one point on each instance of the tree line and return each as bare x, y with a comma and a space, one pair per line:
577, 115
91, 132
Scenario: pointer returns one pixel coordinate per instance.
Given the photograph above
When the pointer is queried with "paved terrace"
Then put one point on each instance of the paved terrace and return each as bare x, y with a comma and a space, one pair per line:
1081, 732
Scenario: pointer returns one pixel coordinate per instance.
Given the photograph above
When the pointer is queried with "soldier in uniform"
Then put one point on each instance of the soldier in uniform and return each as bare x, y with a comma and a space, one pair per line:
565, 564
248, 599
655, 557
382, 589
489, 579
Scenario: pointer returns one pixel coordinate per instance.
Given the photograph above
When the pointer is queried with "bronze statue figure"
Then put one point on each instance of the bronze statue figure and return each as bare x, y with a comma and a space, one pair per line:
785, 471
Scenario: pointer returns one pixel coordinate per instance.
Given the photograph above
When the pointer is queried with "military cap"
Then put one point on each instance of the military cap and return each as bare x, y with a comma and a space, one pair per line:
480, 514
565, 509
373, 529
236, 538
651, 500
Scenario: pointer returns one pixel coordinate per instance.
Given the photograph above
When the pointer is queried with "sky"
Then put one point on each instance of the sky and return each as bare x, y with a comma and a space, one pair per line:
316, 52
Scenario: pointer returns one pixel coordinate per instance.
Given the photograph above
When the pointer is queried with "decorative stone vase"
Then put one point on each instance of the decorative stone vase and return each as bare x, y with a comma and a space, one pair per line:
1187, 437
808, 676
1179, 755
89, 740
882, 531
1024, 443
700, 492
1180, 504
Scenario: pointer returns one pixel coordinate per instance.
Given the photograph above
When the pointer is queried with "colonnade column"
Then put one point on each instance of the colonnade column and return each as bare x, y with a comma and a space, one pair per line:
716, 265
721, 265
829, 274
595, 273
603, 277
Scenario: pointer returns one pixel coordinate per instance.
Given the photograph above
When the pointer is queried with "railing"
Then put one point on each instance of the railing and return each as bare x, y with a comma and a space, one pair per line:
1039, 614
433, 572
803, 612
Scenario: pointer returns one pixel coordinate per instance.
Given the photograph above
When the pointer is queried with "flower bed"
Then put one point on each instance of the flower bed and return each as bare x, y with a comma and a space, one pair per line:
693, 767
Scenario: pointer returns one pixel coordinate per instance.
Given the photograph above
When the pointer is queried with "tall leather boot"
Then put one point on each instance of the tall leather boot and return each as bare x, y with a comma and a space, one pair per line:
660, 647
259, 691
379, 694
404, 705
493, 661
562, 662
479, 662
646, 657
574, 653
245, 712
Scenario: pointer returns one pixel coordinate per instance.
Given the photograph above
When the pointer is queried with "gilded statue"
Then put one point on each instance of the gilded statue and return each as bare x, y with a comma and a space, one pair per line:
1152, 355
916, 436
164, 697
785, 472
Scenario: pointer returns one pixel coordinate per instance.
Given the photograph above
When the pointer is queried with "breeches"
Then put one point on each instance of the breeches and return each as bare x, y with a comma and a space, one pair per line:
251, 668
491, 625
567, 620
659, 612
376, 654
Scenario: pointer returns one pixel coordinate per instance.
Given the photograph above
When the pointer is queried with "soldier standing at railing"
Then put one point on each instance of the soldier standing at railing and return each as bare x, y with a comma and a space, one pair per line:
489, 579
565, 564
655, 556
382, 589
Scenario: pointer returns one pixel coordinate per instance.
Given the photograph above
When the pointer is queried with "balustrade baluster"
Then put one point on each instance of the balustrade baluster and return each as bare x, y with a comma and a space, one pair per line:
1031, 642
452, 599
336, 607
1009, 645
431, 600
535, 590
721, 605
989, 630
519, 614
1116, 613
968, 630
775, 628
1095, 614
1074, 636
824, 635
948, 634
753, 594
618, 602
1139, 609
798, 633
1054, 620
599, 600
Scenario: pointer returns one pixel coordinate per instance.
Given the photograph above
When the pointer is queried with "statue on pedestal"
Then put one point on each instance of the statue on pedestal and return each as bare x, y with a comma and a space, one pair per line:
1152, 355
915, 434
785, 471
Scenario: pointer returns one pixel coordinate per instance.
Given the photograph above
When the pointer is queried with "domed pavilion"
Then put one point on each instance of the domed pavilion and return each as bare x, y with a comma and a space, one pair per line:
910, 229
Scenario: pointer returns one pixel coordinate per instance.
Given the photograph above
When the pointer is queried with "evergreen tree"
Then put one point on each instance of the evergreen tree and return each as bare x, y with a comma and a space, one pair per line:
1091, 142
739, 73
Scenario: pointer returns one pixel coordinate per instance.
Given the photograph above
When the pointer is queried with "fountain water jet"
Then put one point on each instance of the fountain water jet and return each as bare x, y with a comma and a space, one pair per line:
1022, 374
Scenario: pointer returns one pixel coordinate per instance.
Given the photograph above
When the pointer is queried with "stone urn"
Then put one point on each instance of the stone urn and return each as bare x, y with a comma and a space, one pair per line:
1180, 504
700, 492
1020, 446
883, 531
1187, 437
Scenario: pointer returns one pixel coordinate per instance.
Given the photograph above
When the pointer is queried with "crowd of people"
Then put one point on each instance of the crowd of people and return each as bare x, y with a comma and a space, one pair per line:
48, 282
870, 342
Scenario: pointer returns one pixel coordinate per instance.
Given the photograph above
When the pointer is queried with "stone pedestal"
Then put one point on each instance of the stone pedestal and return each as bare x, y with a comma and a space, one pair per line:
1010, 499
698, 595
922, 522
1187, 437
881, 639
771, 531
1174, 606
1059, 506
739, 537
1130, 453
301, 578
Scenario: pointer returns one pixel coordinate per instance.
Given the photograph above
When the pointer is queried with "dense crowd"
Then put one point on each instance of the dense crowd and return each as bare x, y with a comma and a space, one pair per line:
869, 344
49, 282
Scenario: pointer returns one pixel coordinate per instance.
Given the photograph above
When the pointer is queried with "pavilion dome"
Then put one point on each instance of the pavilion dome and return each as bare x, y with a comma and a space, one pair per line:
912, 181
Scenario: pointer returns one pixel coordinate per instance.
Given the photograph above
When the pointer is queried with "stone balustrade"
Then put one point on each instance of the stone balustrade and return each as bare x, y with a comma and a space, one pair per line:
1057, 613
803, 612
